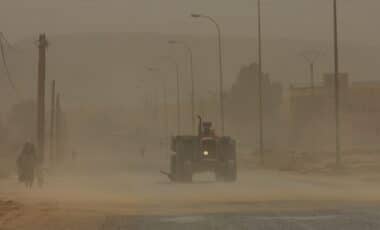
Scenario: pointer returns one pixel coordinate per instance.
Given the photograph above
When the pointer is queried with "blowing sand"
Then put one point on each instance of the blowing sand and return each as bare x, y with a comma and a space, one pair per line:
84, 199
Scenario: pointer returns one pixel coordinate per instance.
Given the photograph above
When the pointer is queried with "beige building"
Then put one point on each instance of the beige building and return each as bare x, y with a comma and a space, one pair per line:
312, 112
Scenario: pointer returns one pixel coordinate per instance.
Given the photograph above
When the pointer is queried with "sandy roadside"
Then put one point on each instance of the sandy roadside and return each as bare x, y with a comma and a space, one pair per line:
84, 203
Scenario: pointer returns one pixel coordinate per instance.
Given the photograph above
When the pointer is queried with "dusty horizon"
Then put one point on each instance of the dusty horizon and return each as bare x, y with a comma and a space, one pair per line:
294, 19
132, 114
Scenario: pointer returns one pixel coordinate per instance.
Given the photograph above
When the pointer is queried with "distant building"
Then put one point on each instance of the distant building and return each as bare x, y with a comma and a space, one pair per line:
242, 108
313, 114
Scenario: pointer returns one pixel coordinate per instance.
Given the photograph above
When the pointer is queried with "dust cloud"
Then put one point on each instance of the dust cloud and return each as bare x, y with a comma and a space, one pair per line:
107, 109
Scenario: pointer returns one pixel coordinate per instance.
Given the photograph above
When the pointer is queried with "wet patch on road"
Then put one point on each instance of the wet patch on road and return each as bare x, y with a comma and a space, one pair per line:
334, 220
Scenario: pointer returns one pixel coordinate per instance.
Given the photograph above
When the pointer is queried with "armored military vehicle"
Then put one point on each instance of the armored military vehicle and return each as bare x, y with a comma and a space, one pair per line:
204, 152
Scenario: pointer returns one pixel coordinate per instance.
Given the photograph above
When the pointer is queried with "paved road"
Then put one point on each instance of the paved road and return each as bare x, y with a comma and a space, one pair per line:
144, 201
358, 219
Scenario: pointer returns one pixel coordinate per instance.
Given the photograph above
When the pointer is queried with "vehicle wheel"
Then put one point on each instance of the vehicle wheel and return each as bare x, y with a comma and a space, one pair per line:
173, 166
179, 169
219, 172
230, 174
187, 171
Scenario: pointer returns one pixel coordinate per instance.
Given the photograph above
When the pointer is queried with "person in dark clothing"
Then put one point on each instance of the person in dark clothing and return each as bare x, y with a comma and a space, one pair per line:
26, 164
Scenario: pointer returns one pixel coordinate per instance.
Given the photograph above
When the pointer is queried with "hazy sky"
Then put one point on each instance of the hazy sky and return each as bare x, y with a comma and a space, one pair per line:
291, 19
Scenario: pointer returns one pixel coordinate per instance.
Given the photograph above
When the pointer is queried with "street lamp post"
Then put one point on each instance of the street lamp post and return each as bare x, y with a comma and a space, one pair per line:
260, 81
178, 99
190, 52
176, 65
336, 78
310, 58
165, 101
312, 82
220, 66
147, 105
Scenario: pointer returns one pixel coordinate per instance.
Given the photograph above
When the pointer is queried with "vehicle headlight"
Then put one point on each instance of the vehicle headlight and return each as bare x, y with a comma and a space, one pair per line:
205, 153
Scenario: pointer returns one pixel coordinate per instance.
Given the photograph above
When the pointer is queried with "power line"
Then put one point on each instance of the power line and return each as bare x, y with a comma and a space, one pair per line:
6, 40
4, 60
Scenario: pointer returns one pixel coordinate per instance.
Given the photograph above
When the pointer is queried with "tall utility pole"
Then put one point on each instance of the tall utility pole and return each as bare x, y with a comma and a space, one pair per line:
221, 79
58, 129
190, 52
178, 100
42, 45
260, 82
166, 112
337, 94
52, 123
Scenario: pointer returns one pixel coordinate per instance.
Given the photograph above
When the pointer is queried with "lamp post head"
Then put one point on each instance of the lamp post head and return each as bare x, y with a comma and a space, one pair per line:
196, 15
